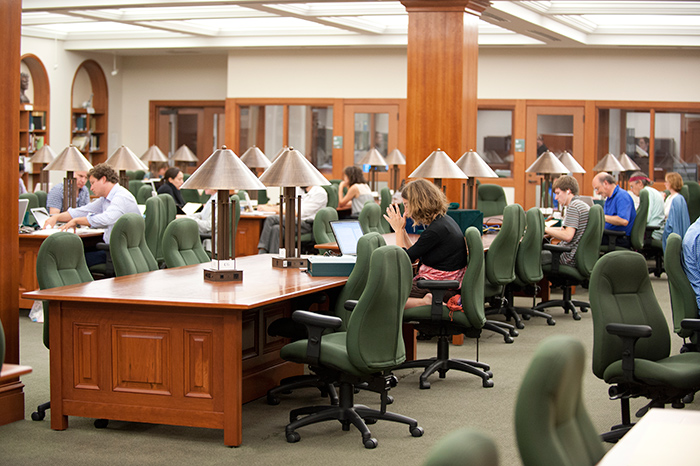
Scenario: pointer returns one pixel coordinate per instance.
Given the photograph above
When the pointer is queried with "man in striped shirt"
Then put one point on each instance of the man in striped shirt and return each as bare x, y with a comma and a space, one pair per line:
575, 219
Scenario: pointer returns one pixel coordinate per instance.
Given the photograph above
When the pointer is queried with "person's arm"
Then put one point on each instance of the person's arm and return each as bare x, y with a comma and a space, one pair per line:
561, 233
61, 217
616, 220
398, 223
269, 208
54, 211
349, 196
313, 201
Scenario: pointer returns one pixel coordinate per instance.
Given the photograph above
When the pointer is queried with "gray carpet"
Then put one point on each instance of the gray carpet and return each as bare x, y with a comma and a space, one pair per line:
456, 401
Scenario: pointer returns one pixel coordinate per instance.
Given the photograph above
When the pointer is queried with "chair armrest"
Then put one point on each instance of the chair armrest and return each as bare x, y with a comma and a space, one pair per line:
102, 246
438, 288
557, 250
629, 335
315, 325
653, 228
350, 304
694, 325
612, 237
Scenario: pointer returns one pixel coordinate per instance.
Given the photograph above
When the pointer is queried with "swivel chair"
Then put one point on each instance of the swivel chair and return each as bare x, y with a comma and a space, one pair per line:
384, 202
693, 200
182, 244
365, 354
41, 196
491, 199
437, 320
332, 191
464, 447
155, 226
683, 301
371, 218
638, 232
144, 193
323, 233
631, 342
134, 186
33, 204
127, 245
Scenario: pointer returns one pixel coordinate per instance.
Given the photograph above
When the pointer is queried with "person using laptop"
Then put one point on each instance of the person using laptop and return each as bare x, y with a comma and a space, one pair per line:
114, 201
575, 219
440, 249
54, 199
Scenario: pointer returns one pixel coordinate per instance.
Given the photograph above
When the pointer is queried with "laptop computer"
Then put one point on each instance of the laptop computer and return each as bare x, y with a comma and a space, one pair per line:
347, 234
23, 203
40, 215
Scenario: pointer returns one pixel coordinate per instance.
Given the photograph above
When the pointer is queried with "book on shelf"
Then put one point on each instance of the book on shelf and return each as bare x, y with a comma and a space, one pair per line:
80, 142
93, 124
80, 122
38, 120
94, 142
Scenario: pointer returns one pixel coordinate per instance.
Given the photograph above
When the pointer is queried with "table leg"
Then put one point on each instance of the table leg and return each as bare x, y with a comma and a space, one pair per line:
58, 420
233, 377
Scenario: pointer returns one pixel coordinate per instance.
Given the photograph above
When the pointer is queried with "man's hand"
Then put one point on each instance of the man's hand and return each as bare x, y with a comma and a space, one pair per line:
73, 223
50, 222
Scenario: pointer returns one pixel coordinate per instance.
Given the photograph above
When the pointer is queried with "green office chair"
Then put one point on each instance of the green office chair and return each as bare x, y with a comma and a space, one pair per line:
370, 218
464, 447
134, 186
170, 208
683, 301
639, 228
323, 233
41, 196
155, 226
352, 290
364, 354
631, 342
384, 202
29, 219
127, 245
552, 425
190, 195
437, 320
332, 191
59, 262
567, 276
693, 200
182, 244
145, 192
491, 199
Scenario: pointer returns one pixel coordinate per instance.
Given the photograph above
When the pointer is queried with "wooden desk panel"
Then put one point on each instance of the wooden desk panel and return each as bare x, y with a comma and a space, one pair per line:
168, 347
248, 234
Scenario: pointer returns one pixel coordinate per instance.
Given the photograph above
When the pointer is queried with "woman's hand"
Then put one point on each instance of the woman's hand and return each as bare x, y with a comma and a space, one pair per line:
395, 218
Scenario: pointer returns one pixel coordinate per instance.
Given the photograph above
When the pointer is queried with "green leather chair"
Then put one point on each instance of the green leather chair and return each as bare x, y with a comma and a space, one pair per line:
332, 191
41, 196
491, 199
182, 244
134, 186
170, 208
155, 226
190, 195
59, 262
384, 202
683, 301
631, 341
364, 354
552, 425
144, 193
29, 219
639, 228
127, 245
323, 233
262, 196
568, 276
693, 200
437, 320
370, 218
463, 447
352, 290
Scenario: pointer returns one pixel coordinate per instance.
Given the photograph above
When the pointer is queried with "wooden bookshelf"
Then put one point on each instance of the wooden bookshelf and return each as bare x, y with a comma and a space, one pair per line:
34, 118
89, 125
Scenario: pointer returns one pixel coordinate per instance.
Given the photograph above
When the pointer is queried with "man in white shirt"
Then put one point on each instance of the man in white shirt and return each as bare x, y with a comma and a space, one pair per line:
312, 201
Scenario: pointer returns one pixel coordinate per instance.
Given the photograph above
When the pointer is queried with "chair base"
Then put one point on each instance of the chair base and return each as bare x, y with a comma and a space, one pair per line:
442, 363
566, 303
303, 381
40, 412
347, 413
511, 311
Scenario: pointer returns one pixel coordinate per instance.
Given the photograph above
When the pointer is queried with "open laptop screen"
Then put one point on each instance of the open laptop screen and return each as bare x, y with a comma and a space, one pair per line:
23, 203
347, 234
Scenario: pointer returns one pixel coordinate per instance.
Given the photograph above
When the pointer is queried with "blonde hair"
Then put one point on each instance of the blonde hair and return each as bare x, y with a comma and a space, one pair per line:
675, 181
425, 200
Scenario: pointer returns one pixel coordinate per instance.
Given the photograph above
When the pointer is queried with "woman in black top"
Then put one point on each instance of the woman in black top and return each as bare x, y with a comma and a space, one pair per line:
440, 249
172, 180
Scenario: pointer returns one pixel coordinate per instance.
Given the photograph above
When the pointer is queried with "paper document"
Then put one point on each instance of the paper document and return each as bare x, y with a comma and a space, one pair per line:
191, 207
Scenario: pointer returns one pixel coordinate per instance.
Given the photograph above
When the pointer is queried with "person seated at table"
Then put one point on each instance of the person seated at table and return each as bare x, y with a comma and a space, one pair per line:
113, 202
440, 248
575, 219
172, 180
618, 208
159, 169
675, 208
691, 252
314, 199
54, 199
655, 215
358, 192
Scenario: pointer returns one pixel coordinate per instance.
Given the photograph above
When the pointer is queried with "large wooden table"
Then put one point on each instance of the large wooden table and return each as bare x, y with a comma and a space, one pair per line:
166, 347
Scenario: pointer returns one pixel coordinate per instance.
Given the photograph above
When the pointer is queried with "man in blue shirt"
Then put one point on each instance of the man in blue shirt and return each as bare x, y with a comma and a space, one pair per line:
54, 200
619, 207
691, 257
114, 201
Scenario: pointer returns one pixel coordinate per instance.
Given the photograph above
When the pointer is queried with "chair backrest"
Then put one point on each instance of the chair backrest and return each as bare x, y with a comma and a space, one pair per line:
500, 259
374, 338
528, 263
357, 280
127, 245
262, 196
384, 202
620, 292
144, 193
640, 221
190, 195
370, 218
588, 249
323, 233
467, 446
683, 302
685, 192
182, 244
134, 186
33, 203
473, 283
41, 196
155, 226
60, 262
491, 199
170, 208
332, 191
551, 423
693, 200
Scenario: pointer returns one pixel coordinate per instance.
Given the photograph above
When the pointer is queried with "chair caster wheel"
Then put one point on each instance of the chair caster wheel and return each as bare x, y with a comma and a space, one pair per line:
513, 332
489, 373
584, 309
525, 316
424, 385
416, 431
101, 423
370, 421
520, 325
551, 321
293, 437
577, 317
389, 399
688, 398
508, 339
272, 400
488, 383
37, 416
370, 443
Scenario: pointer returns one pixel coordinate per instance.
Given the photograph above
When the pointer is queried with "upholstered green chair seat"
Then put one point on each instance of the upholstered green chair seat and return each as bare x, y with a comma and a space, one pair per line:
461, 319
679, 370
127, 245
182, 244
371, 218
567, 272
464, 447
334, 353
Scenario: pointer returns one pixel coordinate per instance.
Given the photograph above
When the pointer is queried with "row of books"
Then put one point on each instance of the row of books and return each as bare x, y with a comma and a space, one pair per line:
80, 123
37, 121
81, 142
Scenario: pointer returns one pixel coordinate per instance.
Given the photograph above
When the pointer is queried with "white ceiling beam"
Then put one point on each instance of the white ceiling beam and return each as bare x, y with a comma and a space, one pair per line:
293, 11
168, 26
525, 21
58, 5
621, 8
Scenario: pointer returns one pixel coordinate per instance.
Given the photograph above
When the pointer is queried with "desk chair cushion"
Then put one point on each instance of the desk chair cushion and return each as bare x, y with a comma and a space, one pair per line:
127, 245
491, 199
182, 244
500, 259
465, 446
41, 196
155, 225
29, 219
323, 233
145, 192
384, 202
371, 218
693, 200
528, 266
332, 191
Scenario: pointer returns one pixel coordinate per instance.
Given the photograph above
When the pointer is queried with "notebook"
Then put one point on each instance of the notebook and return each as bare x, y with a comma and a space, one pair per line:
347, 234
40, 215
191, 207
23, 203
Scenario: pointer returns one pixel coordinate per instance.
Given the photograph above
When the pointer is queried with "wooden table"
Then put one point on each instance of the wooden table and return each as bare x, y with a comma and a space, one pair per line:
662, 436
29, 244
166, 347
390, 238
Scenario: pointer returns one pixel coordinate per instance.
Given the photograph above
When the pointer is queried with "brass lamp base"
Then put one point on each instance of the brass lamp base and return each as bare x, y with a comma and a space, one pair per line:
290, 262
214, 275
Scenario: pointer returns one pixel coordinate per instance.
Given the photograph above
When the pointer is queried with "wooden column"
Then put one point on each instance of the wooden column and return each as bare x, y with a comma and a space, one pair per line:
443, 53
11, 393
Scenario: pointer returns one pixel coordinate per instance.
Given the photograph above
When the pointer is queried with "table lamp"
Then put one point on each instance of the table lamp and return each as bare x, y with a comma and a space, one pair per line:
254, 158
153, 155
124, 159
629, 166
223, 171
394, 159
375, 160
473, 166
289, 170
609, 164
184, 157
44, 156
70, 160
570, 162
438, 165
547, 165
